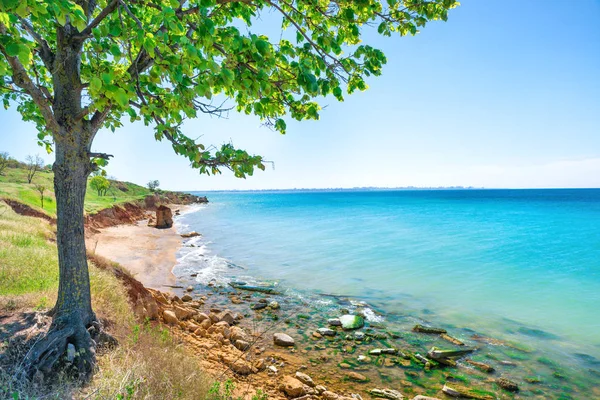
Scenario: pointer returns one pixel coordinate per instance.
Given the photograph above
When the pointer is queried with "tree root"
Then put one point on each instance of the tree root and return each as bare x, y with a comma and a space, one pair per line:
68, 346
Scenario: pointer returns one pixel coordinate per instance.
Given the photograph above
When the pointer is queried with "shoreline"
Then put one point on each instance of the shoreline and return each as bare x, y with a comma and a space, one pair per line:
332, 360
149, 254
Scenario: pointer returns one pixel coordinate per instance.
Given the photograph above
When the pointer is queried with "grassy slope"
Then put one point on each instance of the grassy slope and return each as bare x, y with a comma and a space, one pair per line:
13, 184
29, 279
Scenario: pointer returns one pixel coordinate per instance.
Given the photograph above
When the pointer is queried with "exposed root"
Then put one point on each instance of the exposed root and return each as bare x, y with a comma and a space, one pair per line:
68, 346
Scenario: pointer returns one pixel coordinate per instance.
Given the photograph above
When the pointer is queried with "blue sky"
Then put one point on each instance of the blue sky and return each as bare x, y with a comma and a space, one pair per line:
504, 94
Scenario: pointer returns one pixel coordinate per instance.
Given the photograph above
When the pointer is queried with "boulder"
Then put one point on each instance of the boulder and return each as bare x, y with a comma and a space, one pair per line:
164, 217
170, 317
352, 322
281, 339
241, 345
186, 297
507, 384
292, 387
227, 316
183, 313
238, 333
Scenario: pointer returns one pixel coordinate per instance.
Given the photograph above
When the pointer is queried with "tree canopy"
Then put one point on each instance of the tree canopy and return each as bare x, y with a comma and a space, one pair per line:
161, 62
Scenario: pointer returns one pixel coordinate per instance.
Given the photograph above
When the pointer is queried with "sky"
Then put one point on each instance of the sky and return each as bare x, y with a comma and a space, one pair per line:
505, 94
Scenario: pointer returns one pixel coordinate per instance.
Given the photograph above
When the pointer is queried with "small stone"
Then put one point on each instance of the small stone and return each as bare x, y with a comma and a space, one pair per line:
334, 322
186, 297
359, 335
307, 380
355, 376
70, 352
326, 332
345, 366
421, 397
317, 335
272, 369
281, 339
189, 289
327, 395
364, 359
352, 322
264, 301
274, 305
259, 306
320, 389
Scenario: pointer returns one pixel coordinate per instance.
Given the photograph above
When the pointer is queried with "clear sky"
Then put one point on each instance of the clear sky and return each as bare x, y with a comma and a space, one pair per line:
504, 94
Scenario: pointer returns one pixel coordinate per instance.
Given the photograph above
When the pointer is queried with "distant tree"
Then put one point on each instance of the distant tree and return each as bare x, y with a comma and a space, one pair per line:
4, 159
153, 185
34, 164
76, 66
100, 184
41, 189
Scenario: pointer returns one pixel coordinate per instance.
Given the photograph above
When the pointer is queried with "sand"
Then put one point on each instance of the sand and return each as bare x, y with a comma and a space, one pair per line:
148, 253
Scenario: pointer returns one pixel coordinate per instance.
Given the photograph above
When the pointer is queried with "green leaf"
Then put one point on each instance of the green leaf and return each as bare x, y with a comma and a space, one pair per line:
13, 49
122, 98
96, 84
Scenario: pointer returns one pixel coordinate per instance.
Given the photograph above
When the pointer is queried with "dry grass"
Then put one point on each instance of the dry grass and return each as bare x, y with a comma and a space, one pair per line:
147, 364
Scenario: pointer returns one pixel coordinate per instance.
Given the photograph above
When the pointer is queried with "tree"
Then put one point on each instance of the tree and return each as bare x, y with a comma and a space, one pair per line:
75, 66
4, 159
41, 189
34, 164
153, 185
100, 184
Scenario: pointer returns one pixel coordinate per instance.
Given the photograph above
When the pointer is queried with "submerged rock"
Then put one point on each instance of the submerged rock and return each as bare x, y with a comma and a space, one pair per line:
507, 384
482, 366
356, 377
334, 322
281, 339
386, 394
350, 322
189, 234
326, 332
428, 329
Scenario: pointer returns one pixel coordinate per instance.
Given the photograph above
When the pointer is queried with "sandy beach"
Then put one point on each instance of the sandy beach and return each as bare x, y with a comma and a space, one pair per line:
148, 253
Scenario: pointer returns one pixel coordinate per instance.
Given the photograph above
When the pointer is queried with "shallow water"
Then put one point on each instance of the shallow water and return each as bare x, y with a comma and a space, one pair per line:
522, 265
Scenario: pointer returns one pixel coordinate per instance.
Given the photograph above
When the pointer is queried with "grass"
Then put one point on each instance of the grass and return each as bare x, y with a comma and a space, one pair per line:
147, 364
13, 185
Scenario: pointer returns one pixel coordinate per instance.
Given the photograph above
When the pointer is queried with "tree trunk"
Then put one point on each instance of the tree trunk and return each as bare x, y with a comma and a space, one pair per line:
71, 170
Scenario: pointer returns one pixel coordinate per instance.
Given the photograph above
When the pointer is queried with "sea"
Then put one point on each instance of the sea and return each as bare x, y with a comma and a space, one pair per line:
517, 265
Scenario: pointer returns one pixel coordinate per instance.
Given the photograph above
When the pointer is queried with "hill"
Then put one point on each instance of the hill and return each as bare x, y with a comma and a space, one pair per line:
14, 185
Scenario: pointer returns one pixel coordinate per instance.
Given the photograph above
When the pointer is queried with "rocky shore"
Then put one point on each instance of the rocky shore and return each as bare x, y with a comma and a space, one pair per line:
293, 348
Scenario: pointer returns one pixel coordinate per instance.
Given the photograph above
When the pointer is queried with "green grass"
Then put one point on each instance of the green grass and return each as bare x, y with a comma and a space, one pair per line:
13, 185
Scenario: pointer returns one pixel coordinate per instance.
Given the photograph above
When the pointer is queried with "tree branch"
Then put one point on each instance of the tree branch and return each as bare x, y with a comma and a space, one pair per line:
84, 34
46, 54
21, 79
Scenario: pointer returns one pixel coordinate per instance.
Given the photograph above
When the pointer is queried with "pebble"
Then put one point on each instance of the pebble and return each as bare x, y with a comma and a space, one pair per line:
281, 339
326, 332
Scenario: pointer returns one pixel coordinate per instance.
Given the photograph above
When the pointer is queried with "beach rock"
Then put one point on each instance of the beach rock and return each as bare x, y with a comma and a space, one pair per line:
199, 317
363, 359
307, 380
452, 339
281, 339
170, 317
326, 332
272, 369
227, 316
238, 333
320, 389
356, 377
507, 384
189, 289
482, 366
260, 364
164, 217
386, 394
206, 324
292, 387
183, 313
186, 298
345, 366
334, 322
421, 397
439, 354
214, 318
359, 335
241, 345
190, 234
350, 322
327, 395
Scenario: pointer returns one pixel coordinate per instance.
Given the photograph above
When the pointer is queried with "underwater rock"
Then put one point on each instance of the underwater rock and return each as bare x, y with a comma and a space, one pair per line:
428, 329
507, 384
464, 393
438, 354
189, 234
260, 289
386, 394
376, 352
482, 366
451, 339
259, 306
334, 322
326, 332
356, 377
350, 322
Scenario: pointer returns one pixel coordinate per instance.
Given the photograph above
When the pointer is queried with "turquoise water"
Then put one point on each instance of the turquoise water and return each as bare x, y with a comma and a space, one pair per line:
519, 264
